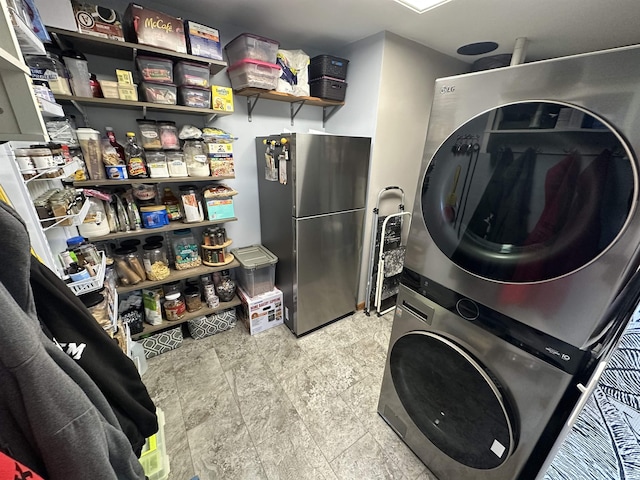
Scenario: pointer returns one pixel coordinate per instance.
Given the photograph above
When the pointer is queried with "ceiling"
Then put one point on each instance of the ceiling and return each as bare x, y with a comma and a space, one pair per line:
553, 27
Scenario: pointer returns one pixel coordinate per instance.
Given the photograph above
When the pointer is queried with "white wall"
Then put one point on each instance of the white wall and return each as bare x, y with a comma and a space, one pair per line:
407, 75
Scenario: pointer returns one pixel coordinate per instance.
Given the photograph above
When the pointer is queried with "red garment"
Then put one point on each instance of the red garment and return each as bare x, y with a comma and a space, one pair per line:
10, 469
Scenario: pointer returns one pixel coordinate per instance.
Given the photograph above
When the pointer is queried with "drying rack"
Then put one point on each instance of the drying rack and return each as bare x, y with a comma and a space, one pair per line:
386, 256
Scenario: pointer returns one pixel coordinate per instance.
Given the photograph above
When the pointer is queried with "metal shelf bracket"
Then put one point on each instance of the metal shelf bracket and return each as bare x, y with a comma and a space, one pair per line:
250, 105
144, 111
327, 115
210, 118
294, 111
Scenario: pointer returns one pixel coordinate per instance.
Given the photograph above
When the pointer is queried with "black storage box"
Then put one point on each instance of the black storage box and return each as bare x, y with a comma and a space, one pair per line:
328, 88
328, 66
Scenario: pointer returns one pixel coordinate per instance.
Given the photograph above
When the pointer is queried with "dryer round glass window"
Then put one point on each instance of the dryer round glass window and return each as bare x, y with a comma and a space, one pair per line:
529, 192
429, 372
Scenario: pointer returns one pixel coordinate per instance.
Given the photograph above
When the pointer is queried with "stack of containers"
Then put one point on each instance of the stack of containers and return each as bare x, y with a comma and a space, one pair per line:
327, 77
193, 84
252, 61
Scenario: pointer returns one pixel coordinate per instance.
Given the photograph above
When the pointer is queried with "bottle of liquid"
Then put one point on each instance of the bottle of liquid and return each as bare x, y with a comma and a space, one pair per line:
172, 203
136, 165
114, 143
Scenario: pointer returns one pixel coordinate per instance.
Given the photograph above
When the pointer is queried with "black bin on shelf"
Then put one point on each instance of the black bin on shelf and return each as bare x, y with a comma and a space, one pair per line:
328, 66
328, 88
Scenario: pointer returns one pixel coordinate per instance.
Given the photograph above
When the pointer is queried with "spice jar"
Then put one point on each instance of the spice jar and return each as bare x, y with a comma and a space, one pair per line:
191, 204
156, 264
169, 135
196, 158
192, 299
128, 266
149, 135
25, 163
43, 160
185, 250
174, 307
176, 163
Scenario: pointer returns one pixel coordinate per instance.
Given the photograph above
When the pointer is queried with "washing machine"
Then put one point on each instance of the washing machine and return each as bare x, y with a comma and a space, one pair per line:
469, 390
528, 191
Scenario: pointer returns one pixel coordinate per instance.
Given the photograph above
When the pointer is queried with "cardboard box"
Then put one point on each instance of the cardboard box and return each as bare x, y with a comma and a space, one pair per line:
149, 27
219, 208
222, 98
261, 312
97, 20
203, 41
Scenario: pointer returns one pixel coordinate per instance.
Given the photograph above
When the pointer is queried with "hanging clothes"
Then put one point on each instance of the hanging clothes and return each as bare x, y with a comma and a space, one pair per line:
67, 320
53, 417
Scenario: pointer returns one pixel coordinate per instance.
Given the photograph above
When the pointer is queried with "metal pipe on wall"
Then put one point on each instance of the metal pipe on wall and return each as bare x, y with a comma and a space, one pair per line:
519, 51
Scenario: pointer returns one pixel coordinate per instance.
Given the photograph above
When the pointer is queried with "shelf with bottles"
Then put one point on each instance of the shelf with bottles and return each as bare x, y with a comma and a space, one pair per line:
93, 45
177, 275
149, 329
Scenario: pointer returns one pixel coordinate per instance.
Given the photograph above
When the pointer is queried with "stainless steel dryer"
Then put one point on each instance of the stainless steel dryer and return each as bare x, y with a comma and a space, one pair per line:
469, 390
527, 198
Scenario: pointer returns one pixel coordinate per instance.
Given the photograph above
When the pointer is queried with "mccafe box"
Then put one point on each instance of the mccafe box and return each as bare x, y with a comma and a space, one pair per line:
97, 20
149, 27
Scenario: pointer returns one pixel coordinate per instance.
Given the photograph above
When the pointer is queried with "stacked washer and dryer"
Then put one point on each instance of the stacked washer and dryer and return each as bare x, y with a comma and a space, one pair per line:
525, 229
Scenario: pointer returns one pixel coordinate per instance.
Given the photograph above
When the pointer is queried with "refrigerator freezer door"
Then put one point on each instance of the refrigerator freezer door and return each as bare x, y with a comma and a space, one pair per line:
328, 250
330, 173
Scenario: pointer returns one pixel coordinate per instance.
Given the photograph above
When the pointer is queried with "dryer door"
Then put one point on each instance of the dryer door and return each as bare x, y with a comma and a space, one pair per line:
453, 400
528, 192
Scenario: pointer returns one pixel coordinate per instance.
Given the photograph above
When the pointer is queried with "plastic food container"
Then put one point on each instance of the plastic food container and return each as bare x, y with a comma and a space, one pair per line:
164, 94
169, 135
254, 73
153, 69
258, 271
192, 74
248, 45
149, 135
185, 250
154, 216
157, 164
194, 97
90, 144
128, 92
109, 88
116, 172
177, 165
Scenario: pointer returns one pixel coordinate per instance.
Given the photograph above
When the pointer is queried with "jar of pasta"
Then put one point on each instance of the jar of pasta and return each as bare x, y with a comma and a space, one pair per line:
156, 263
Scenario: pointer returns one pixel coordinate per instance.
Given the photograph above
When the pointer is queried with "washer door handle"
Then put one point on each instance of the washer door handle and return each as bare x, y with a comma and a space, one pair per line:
586, 391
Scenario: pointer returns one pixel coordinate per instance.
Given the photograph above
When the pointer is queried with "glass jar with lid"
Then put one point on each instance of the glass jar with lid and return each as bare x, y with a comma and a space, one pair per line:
43, 159
196, 158
185, 249
128, 266
169, 135
192, 299
174, 307
25, 163
149, 135
226, 289
156, 263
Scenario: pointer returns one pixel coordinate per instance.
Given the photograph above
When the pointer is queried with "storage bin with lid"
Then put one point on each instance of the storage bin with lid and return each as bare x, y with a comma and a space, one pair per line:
162, 93
129, 267
190, 74
253, 73
194, 97
328, 88
257, 271
155, 69
168, 135
248, 45
328, 66
89, 140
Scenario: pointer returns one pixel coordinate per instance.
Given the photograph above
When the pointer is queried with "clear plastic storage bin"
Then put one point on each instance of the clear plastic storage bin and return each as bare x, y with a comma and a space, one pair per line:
162, 93
257, 272
153, 69
154, 458
254, 73
248, 45
192, 75
194, 97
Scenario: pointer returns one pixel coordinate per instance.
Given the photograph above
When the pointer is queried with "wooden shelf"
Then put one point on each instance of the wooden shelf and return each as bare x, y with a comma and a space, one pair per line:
285, 97
134, 181
125, 50
178, 275
154, 231
149, 329
131, 105
256, 94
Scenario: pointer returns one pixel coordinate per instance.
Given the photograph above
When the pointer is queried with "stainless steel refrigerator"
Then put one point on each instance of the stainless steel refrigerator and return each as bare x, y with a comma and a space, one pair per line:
312, 206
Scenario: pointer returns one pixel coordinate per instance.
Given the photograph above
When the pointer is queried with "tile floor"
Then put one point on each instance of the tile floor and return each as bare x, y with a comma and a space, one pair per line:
271, 406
